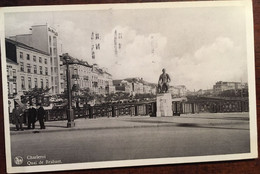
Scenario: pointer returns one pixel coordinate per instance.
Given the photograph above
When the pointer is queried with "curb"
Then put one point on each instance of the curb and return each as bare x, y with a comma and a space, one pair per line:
82, 129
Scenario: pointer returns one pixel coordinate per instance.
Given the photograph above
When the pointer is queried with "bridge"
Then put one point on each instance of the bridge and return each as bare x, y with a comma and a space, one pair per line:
190, 105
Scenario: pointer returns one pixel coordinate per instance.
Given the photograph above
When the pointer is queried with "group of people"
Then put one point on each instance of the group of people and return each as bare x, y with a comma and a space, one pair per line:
32, 115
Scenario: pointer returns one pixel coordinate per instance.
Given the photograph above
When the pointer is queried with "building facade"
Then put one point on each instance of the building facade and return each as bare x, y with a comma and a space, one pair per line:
221, 86
45, 39
134, 86
85, 76
178, 91
11, 69
27, 68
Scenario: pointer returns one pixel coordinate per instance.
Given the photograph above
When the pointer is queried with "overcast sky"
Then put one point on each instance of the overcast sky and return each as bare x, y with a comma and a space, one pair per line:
197, 46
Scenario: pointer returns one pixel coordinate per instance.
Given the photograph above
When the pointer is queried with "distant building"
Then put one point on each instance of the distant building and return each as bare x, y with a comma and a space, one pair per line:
178, 91
45, 38
204, 92
103, 79
221, 86
134, 86
84, 76
123, 86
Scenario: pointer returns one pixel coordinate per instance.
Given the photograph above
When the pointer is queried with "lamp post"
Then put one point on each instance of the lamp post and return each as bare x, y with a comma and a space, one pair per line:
70, 113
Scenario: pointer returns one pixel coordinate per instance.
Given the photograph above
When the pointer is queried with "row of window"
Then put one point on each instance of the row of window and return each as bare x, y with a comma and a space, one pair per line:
11, 72
35, 83
28, 57
11, 88
29, 69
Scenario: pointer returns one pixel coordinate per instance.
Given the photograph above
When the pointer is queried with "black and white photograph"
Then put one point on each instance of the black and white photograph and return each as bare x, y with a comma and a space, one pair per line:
97, 86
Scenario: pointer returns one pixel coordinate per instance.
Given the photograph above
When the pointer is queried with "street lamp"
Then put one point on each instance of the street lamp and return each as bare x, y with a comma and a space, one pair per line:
70, 113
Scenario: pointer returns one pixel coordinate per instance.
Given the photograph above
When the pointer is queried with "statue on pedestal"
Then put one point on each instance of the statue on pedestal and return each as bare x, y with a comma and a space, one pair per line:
163, 83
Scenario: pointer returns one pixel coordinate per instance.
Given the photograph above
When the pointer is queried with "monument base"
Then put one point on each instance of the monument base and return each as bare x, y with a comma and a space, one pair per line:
164, 105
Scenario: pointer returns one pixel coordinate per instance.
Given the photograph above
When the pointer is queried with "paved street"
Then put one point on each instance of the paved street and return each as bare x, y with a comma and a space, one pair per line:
139, 137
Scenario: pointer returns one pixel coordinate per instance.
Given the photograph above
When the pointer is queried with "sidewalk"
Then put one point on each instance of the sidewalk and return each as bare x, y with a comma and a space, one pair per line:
187, 120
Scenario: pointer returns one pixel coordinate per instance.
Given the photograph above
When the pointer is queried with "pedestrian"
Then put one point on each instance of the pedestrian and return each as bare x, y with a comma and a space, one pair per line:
32, 114
41, 116
87, 111
18, 117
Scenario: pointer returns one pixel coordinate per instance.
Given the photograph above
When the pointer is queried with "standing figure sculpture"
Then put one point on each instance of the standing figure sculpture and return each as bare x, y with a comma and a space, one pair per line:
163, 83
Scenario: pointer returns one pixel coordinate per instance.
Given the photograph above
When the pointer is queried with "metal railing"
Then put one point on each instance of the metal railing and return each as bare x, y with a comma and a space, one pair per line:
148, 109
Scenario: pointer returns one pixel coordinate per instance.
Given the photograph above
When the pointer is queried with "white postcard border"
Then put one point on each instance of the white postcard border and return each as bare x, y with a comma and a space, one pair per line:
139, 162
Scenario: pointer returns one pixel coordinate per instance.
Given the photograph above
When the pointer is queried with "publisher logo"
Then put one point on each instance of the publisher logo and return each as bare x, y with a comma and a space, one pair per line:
18, 160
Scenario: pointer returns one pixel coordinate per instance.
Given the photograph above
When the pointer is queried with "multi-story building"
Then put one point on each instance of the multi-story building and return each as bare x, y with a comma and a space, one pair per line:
84, 76
27, 67
123, 86
138, 88
178, 91
134, 86
224, 86
102, 80
11, 69
147, 89
81, 74
45, 38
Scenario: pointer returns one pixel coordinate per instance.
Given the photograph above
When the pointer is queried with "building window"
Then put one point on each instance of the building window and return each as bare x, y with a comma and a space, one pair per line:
47, 83
21, 66
22, 83
35, 69
21, 55
8, 88
49, 40
40, 69
28, 68
34, 58
35, 83
45, 61
46, 71
8, 74
14, 88
29, 82
54, 41
28, 56
56, 80
41, 83
55, 51
14, 73
40, 60
51, 60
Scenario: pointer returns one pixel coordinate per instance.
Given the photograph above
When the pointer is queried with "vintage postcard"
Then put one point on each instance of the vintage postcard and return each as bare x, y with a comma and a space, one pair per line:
97, 86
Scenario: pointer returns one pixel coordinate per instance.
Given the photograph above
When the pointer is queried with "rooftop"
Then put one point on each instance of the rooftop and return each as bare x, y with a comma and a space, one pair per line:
22, 45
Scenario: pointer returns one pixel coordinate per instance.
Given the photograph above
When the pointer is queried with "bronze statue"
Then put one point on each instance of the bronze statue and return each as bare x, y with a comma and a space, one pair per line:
163, 83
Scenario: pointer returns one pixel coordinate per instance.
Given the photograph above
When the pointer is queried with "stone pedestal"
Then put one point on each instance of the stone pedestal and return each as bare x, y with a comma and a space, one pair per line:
164, 105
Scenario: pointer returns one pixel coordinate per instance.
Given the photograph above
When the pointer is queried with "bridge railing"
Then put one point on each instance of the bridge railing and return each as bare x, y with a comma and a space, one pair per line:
109, 110
149, 108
